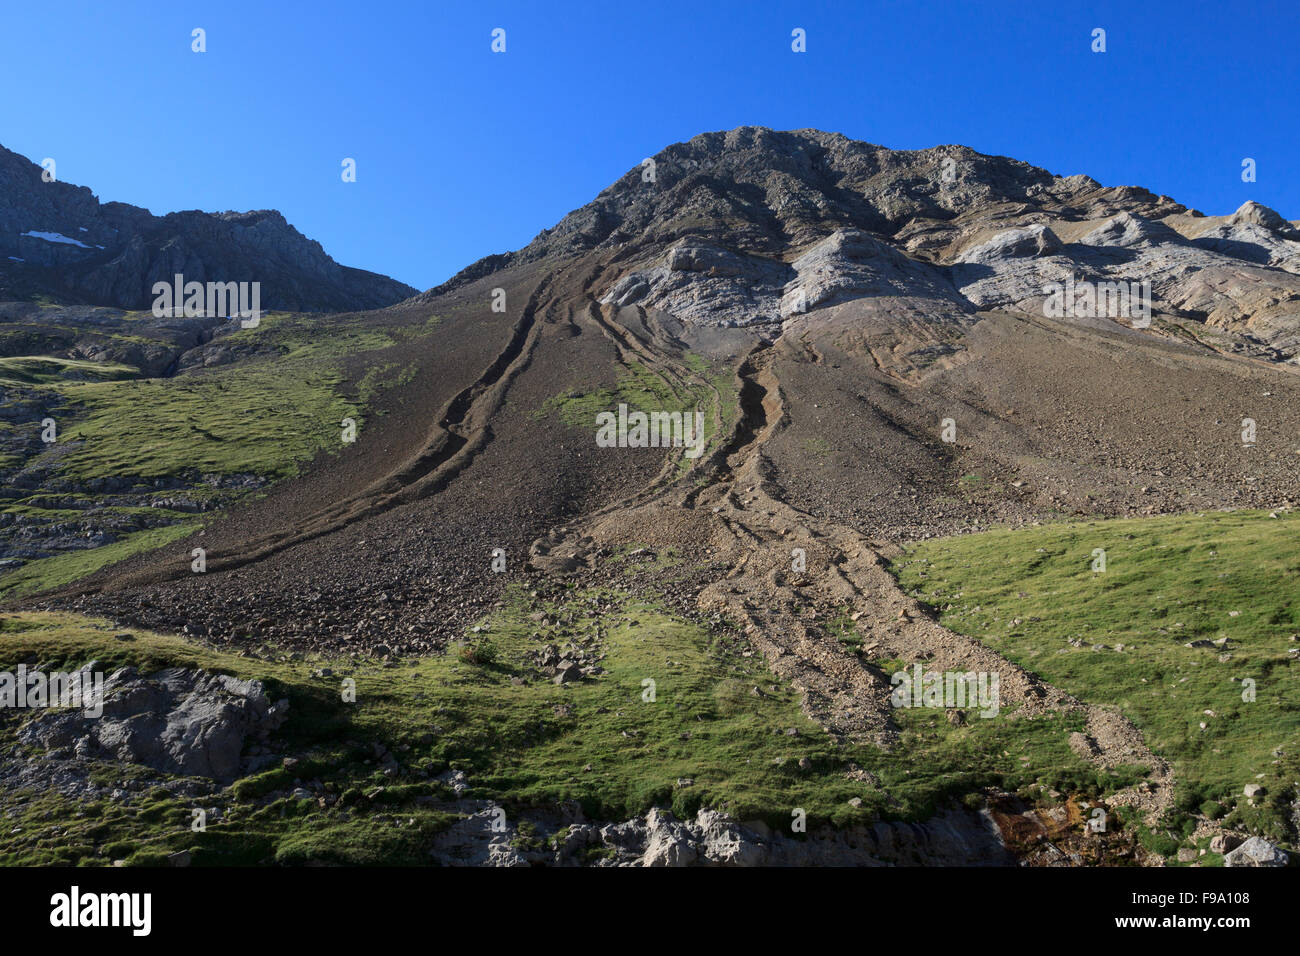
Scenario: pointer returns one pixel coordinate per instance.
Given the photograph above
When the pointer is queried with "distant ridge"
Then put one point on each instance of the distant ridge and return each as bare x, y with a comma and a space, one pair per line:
58, 241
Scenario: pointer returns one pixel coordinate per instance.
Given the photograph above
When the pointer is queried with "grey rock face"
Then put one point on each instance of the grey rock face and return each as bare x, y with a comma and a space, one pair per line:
1255, 233
1127, 230
706, 284
668, 843
1032, 241
487, 836
713, 839
1235, 279
1252, 213
176, 720
703, 284
725, 843
1256, 852
850, 264
478, 840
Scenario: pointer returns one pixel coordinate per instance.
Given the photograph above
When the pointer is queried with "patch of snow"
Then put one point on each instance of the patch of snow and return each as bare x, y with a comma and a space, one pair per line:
56, 237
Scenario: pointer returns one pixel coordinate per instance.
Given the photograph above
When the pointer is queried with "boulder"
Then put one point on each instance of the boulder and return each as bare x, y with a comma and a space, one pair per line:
668, 843
723, 842
188, 722
1253, 213
1032, 241
479, 839
1224, 842
1256, 852
1126, 230
704, 257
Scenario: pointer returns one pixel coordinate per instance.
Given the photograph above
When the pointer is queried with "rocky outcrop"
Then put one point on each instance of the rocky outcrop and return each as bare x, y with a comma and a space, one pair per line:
1234, 279
1252, 213
479, 839
1031, 242
1256, 852
1126, 230
850, 264
60, 241
706, 284
1253, 233
179, 721
487, 837
151, 346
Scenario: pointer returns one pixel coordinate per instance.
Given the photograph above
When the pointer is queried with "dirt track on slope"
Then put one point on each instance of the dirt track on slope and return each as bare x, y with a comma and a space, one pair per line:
388, 547
784, 610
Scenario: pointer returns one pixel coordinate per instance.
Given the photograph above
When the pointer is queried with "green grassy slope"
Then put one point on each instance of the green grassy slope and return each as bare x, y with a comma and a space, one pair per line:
1033, 595
721, 732
266, 415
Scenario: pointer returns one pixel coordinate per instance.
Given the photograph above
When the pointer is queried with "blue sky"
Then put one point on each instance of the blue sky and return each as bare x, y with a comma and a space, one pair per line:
461, 152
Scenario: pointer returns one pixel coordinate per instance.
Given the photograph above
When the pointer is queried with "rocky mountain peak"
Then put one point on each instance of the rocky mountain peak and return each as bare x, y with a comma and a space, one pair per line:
774, 194
761, 228
58, 241
1252, 213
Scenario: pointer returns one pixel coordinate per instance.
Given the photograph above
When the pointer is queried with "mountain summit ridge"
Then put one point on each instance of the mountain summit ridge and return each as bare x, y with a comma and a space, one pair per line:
798, 186
751, 227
